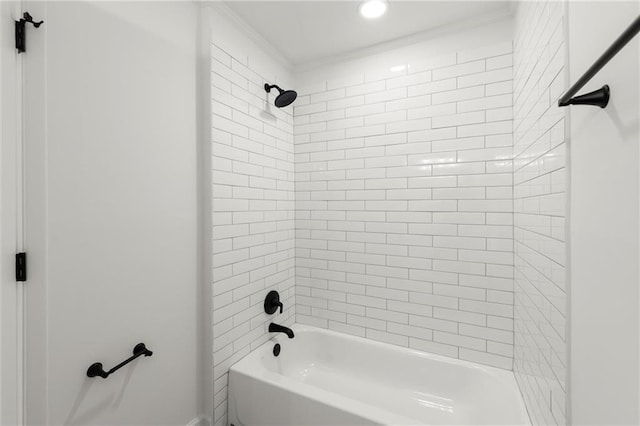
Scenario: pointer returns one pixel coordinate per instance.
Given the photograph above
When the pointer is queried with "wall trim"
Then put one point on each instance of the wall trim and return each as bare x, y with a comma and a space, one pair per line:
203, 178
567, 229
442, 30
12, 354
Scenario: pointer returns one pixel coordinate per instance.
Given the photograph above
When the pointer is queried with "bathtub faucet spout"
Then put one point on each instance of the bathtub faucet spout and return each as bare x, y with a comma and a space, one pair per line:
277, 328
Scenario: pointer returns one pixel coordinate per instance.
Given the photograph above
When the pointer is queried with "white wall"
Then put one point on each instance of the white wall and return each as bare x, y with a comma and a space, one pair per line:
253, 197
539, 210
403, 196
604, 216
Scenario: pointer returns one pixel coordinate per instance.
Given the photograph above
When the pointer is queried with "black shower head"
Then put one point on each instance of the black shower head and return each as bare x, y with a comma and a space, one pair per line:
286, 97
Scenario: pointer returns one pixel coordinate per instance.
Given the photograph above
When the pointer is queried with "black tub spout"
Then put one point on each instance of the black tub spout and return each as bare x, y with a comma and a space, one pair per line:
277, 328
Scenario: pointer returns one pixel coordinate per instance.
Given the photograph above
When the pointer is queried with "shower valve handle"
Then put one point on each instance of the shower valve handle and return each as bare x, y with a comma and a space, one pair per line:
272, 302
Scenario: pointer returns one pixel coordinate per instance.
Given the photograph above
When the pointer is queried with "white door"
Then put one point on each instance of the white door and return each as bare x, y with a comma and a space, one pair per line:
111, 211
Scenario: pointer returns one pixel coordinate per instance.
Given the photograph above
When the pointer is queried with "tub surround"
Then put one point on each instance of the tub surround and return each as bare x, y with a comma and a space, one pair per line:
252, 190
404, 201
539, 210
379, 204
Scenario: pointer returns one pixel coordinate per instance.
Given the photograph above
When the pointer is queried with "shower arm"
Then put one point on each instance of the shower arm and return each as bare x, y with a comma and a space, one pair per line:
268, 87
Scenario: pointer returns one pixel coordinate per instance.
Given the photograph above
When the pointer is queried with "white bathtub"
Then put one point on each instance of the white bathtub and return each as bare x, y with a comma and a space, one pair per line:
327, 378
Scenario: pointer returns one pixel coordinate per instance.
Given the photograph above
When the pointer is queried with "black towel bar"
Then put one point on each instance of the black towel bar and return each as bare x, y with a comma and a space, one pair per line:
96, 368
599, 97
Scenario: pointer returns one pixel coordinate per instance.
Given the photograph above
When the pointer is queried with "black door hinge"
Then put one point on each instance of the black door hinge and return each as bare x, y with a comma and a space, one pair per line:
21, 266
21, 37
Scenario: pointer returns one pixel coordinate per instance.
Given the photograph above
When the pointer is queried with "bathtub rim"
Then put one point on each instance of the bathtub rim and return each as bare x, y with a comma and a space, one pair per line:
280, 338
250, 367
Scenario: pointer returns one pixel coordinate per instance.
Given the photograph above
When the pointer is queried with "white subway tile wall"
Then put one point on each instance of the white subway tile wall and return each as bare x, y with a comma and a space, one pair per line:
404, 204
253, 213
539, 203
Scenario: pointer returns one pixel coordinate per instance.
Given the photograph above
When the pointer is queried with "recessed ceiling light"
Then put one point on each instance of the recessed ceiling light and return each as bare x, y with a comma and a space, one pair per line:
372, 9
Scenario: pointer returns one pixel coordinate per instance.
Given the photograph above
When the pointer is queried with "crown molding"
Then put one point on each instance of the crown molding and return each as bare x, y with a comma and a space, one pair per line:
242, 25
442, 30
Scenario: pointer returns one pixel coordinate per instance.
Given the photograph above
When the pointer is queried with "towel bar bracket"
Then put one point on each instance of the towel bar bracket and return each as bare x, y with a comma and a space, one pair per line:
598, 97
601, 96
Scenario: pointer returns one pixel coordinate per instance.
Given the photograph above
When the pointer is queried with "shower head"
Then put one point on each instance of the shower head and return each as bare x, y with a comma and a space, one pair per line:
286, 97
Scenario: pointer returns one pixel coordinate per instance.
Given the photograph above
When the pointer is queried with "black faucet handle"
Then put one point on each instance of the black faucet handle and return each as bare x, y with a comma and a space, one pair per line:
272, 301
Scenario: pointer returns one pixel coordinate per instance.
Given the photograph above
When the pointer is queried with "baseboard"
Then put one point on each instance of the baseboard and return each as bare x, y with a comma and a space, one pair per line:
200, 421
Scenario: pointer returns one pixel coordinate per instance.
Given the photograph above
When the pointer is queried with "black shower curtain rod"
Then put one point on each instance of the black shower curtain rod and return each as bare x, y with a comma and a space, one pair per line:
599, 97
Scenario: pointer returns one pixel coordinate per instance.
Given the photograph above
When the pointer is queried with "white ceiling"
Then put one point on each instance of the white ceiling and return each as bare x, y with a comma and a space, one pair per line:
308, 31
